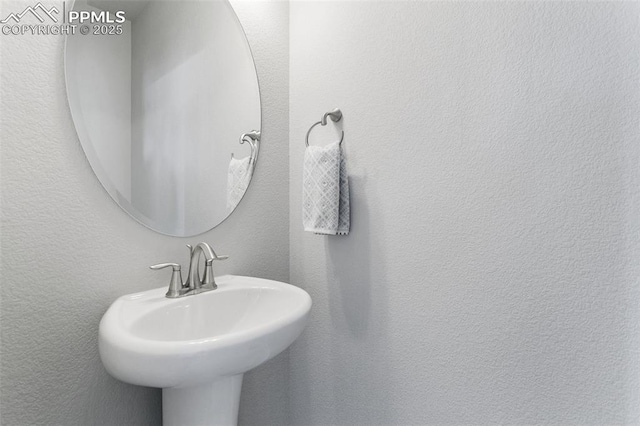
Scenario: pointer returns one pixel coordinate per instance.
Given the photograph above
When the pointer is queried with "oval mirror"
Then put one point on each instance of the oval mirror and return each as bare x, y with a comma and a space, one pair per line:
166, 104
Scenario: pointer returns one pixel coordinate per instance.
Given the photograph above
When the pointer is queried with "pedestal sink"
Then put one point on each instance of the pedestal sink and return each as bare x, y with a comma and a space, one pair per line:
197, 348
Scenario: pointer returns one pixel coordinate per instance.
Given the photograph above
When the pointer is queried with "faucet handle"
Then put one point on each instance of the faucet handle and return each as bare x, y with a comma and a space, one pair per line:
175, 285
221, 257
208, 278
176, 267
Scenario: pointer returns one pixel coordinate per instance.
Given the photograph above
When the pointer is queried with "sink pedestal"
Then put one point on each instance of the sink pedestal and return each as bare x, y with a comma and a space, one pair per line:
214, 403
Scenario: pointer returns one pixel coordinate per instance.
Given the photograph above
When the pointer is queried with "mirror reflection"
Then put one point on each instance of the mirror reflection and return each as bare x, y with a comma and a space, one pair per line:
167, 109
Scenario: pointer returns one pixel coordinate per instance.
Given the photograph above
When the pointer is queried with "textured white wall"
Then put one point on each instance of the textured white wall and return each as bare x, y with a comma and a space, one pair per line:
68, 250
492, 271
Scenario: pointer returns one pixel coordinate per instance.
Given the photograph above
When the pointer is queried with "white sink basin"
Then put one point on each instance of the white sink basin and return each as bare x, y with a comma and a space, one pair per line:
198, 347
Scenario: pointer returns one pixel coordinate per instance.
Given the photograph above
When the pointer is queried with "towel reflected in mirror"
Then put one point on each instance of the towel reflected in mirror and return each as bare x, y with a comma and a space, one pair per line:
238, 178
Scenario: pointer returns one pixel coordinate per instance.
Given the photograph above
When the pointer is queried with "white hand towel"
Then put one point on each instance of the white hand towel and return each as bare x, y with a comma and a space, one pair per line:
325, 191
238, 178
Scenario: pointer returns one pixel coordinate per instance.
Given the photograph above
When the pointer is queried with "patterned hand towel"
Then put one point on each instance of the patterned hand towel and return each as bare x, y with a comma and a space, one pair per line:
325, 191
238, 179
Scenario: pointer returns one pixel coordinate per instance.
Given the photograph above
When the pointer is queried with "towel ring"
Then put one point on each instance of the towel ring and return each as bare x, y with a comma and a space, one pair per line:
253, 135
335, 115
252, 138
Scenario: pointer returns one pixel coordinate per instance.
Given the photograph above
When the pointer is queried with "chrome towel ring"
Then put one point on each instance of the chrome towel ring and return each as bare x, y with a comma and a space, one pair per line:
252, 138
335, 116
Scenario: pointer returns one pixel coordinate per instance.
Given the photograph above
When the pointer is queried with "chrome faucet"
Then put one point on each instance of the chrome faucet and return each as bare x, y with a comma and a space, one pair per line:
193, 281
194, 284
